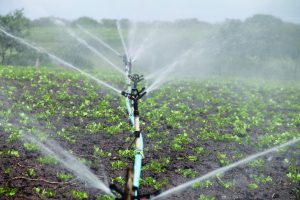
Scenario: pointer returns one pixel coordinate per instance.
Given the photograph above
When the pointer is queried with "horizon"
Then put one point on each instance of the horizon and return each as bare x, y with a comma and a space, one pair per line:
154, 10
171, 21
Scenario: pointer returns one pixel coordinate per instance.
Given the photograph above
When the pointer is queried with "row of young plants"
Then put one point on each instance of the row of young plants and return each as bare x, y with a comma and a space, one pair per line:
185, 124
238, 114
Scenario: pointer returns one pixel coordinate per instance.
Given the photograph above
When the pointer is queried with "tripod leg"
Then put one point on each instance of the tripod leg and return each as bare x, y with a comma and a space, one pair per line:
129, 184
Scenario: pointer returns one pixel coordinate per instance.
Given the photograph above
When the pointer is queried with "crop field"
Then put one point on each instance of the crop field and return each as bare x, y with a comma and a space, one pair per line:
190, 129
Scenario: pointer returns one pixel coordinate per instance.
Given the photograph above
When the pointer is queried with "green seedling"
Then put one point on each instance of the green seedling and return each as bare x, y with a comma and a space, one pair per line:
199, 150
126, 153
252, 186
99, 152
63, 176
204, 184
105, 197
46, 193
180, 141
257, 163
31, 147
151, 182
79, 194
11, 152
47, 160
294, 174
157, 166
7, 170
189, 173
119, 180
222, 157
8, 191
204, 197
31, 172
117, 165
225, 184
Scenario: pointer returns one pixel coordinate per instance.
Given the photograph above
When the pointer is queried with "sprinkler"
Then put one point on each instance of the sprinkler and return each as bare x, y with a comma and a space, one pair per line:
134, 174
133, 95
127, 62
128, 67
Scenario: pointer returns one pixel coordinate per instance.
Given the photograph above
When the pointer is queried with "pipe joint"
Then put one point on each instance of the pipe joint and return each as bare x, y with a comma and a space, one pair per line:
137, 134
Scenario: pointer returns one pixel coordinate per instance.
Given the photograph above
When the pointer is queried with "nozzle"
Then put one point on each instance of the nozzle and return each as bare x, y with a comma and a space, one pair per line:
143, 94
125, 60
125, 94
136, 78
142, 90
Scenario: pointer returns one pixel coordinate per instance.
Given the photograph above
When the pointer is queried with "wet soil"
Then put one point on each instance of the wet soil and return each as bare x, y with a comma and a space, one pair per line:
14, 170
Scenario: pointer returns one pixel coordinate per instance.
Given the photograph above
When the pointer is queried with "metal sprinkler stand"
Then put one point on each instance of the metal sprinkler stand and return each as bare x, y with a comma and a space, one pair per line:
135, 95
127, 63
132, 96
128, 69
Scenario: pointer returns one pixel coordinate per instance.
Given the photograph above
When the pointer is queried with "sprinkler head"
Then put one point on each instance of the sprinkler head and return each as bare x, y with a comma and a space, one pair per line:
123, 93
127, 63
136, 78
142, 93
125, 60
135, 94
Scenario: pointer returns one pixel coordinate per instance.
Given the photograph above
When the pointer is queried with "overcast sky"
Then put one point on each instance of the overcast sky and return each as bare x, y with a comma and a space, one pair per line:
208, 10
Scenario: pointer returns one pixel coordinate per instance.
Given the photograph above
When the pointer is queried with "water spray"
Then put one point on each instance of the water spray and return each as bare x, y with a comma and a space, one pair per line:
215, 172
128, 71
162, 74
143, 45
91, 48
59, 60
99, 40
122, 38
132, 96
80, 40
50, 147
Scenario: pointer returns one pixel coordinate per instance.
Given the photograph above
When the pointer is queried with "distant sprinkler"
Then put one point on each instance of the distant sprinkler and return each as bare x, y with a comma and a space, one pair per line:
132, 96
132, 186
135, 94
128, 64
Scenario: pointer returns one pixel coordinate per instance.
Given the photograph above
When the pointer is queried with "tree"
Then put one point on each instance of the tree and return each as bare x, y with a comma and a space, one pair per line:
110, 23
17, 24
86, 21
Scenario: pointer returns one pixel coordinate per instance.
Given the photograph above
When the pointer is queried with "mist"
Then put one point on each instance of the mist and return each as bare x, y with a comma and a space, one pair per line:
221, 92
261, 46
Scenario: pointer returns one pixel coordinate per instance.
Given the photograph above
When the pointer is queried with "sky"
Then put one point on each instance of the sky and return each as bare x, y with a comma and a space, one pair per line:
149, 10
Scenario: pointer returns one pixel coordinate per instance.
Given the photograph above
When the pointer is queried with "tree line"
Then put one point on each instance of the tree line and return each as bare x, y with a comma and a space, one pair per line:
260, 44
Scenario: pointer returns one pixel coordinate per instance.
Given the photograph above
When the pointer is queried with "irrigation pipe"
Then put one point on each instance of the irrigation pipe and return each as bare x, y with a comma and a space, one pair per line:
132, 96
